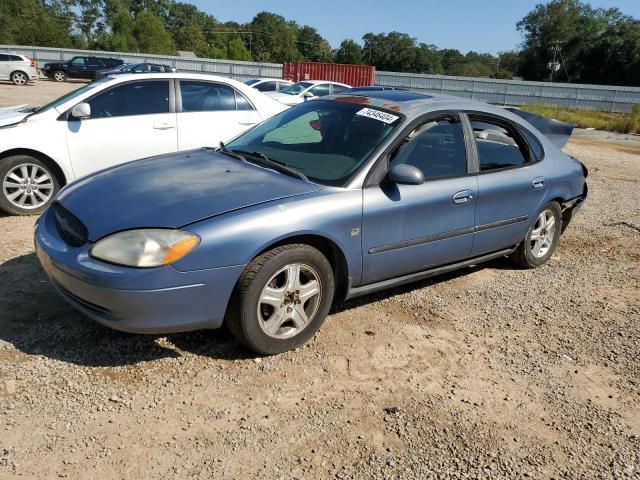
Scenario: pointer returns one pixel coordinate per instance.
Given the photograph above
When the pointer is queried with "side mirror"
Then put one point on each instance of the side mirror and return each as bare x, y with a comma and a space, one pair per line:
81, 110
405, 174
308, 96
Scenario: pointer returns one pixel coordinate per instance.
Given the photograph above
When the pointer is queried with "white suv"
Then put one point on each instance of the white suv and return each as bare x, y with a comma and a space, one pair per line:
114, 120
17, 68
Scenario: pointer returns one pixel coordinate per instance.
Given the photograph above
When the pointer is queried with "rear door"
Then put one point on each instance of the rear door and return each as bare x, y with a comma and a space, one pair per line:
5, 66
210, 113
77, 67
511, 181
410, 228
128, 121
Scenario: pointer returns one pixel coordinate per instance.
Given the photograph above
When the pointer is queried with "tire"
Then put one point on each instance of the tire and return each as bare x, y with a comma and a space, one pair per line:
277, 325
542, 238
28, 185
59, 75
19, 78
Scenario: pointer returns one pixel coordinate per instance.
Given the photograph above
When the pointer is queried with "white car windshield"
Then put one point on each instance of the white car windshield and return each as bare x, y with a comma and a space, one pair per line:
296, 88
71, 95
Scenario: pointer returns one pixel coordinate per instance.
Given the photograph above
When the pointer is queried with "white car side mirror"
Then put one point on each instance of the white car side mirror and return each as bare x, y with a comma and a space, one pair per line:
308, 96
81, 110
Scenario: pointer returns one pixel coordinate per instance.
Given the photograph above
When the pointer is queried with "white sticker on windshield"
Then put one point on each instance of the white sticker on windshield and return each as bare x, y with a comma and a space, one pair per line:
378, 115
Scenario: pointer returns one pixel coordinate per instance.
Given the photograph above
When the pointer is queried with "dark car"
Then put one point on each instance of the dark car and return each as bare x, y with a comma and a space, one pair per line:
136, 68
79, 67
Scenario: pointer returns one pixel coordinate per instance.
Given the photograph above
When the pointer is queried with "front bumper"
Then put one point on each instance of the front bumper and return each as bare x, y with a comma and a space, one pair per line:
156, 300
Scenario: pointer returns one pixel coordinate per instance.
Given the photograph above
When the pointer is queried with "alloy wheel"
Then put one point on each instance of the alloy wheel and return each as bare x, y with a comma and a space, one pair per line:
543, 234
28, 186
289, 301
59, 76
19, 78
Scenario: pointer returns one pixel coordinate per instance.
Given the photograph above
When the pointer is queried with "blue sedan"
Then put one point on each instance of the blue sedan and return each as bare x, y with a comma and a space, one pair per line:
331, 199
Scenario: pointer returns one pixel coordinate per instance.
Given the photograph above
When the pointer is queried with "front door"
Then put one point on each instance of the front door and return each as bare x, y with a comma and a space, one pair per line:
210, 113
129, 121
410, 228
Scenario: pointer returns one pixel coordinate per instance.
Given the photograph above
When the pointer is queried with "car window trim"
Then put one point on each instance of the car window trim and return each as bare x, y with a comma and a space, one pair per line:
66, 116
508, 125
178, 96
378, 170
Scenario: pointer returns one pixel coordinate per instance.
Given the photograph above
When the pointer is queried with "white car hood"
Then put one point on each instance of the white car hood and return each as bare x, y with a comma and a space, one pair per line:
284, 98
11, 115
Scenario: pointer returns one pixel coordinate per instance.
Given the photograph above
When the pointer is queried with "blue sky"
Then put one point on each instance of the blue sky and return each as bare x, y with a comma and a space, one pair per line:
480, 25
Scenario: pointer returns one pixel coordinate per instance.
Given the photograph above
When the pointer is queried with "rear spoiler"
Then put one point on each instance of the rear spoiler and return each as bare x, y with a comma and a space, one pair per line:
556, 131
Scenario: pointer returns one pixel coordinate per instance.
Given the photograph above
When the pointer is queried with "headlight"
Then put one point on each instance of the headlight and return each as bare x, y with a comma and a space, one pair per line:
150, 247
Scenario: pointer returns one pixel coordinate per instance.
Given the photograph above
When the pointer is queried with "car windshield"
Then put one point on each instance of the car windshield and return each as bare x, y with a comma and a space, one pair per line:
296, 88
124, 66
327, 141
251, 82
71, 95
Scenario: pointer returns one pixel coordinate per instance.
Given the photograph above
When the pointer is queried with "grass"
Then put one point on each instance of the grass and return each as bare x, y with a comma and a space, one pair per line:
612, 122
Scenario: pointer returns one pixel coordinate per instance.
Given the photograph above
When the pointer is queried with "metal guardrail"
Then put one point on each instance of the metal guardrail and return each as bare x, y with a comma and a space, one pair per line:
499, 92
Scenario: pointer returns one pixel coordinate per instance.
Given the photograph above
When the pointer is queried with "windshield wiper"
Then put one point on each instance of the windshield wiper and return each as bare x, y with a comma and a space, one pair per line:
224, 150
275, 164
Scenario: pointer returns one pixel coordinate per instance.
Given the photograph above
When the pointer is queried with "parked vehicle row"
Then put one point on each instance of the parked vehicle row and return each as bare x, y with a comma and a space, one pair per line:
268, 84
84, 67
306, 90
114, 120
136, 68
327, 200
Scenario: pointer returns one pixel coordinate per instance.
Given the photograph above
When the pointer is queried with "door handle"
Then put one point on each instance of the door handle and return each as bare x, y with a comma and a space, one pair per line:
538, 182
247, 122
163, 126
463, 197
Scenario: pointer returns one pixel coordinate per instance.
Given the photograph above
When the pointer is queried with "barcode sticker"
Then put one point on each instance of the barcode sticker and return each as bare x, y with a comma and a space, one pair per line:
377, 115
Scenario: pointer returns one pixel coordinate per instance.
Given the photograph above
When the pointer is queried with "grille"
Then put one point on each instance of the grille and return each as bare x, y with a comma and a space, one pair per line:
69, 227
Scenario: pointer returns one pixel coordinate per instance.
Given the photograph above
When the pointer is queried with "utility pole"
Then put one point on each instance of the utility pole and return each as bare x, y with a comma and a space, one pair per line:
554, 65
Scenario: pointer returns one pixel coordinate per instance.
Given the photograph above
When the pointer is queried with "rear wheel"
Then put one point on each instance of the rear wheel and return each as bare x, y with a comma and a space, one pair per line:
59, 76
542, 238
282, 299
28, 185
19, 78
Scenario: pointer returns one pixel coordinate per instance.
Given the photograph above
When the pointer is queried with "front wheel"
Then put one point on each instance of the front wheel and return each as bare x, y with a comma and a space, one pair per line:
542, 238
28, 185
19, 78
282, 299
59, 76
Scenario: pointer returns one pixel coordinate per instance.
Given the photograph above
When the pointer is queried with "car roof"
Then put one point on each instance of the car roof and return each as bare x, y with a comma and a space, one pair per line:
316, 82
270, 80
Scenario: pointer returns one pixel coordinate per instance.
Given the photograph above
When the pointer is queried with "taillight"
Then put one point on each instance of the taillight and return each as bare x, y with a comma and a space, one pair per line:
34, 63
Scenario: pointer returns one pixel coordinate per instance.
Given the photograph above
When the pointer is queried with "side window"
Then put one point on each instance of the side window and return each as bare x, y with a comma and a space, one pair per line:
282, 85
93, 62
15, 58
266, 87
534, 145
321, 90
4, 58
206, 96
141, 69
242, 103
337, 89
136, 98
436, 147
79, 61
497, 144
156, 68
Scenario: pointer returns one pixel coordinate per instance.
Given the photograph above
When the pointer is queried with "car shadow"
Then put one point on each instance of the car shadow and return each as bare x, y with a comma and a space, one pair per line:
37, 321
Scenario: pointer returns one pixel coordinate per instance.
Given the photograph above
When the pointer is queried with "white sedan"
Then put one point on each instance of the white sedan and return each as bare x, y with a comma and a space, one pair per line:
306, 90
115, 120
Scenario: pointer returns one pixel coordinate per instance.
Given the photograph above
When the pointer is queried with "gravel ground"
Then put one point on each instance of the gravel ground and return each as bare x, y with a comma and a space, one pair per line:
491, 372
37, 93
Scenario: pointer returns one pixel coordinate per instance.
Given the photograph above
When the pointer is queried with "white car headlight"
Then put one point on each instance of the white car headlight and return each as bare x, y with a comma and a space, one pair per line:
149, 247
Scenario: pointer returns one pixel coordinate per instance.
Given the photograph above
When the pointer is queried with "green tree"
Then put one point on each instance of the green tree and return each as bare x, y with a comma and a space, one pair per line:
33, 22
191, 38
349, 52
312, 46
236, 50
274, 39
151, 36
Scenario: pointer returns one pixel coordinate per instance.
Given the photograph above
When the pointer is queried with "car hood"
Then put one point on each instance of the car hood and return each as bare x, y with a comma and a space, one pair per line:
171, 191
284, 98
12, 115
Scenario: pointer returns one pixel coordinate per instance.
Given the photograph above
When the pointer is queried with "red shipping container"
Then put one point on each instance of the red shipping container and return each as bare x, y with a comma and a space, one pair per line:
354, 75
